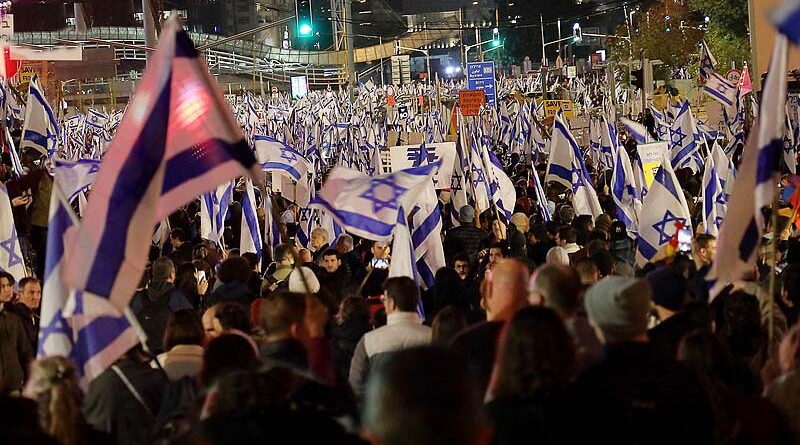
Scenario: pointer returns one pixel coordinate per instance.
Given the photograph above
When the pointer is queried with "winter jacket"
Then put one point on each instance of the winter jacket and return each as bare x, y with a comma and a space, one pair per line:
15, 349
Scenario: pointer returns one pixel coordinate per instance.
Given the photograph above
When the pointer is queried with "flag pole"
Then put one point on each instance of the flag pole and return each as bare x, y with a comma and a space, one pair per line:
773, 275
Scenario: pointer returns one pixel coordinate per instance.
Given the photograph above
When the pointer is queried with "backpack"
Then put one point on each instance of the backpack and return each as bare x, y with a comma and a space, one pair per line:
178, 409
153, 318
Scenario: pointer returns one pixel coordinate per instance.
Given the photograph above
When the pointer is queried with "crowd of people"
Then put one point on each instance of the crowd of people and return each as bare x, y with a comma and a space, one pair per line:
536, 331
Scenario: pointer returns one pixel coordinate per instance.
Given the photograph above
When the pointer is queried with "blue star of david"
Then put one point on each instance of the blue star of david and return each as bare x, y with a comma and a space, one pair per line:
58, 325
386, 185
718, 221
721, 199
288, 155
577, 178
304, 214
676, 137
661, 226
94, 168
8, 245
479, 175
455, 182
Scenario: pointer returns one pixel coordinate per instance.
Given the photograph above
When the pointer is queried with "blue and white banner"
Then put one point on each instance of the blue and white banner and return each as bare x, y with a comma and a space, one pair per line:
11, 259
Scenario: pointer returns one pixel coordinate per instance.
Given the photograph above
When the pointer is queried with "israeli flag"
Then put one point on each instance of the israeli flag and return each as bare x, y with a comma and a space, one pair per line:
637, 130
213, 211
789, 145
787, 19
92, 342
40, 130
11, 259
756, 180
662, 127
707, 60
75, 177
367, 206
403, 263
276, 156
567, 168
501, 188
480, 182
177, 141
272, 231
683, 137
426, 235
250, 238
664, 213
712, 197
541, 198
608, 144
624, 191
720, 90
97, 119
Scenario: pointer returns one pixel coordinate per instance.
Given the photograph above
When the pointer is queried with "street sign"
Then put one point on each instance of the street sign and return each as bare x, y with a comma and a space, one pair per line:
299, 87
471, 101
480, 76
551, 107
733, 76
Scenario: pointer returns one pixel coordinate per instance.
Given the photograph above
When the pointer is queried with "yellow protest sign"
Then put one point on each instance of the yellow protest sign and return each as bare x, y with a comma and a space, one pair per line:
651, 156
551, 107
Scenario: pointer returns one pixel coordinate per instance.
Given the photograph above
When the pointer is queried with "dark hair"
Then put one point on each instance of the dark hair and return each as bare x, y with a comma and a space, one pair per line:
178, 234
737, 317
504, 247
604, 261
225, 354
186, 282
7, 276
585, 265
281, 311
283, 251
582, 222
538, 355
183, 328
161, 270
598, 234
790, 277
422, 396
447, 324
355, 308
25, 281
332, 252
560, 286
702, 352
252, 259
234, 269
234, 316
461, 257
568, 234
702, 240
596, 245
403, 291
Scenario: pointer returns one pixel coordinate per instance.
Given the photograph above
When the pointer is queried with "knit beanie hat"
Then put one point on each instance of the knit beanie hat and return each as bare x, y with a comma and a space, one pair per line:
619, 306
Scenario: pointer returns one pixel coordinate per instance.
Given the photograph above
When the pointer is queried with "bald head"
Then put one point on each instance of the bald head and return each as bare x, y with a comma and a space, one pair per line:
508, 291
557, 287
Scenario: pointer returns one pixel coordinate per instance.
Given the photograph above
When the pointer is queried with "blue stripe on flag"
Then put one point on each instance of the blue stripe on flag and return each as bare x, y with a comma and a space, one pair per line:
191, 164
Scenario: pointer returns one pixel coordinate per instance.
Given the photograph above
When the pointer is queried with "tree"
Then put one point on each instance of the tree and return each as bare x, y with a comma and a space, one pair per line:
727, 30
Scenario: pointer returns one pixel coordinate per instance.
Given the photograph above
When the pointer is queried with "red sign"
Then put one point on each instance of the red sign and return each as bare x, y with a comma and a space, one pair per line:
471, 101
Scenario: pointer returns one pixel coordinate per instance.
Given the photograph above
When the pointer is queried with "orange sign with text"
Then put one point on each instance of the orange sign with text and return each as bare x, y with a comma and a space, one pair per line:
471, 101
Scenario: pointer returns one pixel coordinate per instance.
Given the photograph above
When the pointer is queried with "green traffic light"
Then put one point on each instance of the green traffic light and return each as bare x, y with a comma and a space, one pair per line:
496, 43
305, 29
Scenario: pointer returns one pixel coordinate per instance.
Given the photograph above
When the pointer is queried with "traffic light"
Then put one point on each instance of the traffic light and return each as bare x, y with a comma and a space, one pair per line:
305, 27
637, 78
496, 38
577, 33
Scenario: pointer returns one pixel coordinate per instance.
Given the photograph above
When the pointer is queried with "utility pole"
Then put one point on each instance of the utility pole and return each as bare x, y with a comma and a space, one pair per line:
149, 25
80, 17
348, 31
541, 25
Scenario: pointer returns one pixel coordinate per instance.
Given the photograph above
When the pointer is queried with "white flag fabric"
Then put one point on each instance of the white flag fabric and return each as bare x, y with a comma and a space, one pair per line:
76, 176
756, 180
720, 90
712, 196
40, 130
664, 212
11, 259
624, 191
250, 237
683, 137
213, 211
276, 156
367, 206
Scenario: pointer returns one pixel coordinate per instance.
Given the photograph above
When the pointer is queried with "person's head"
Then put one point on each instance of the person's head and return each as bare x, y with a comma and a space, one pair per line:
447, 323
319, 238
737, 321
498, 230
618, 231
305, 256
566, 214
587, 270
226, 354
344, 244
789, 350
422, 396
584, 223
232, 316
186, 278
210, 324
234, 269
53, 384
380, 250
30, 292
704, 248
252, 260
401, 294
558, 256
603, 222
606, 265
183, 328
507, 290
466, 214
461, 265
498, 251
331, 260
177, 237
619, 309
6, 286
284, 255
557, 287
595, 246
353, 310
790, 284
283, 316
521, 222
669, 289
566, 235
538, 355
702, 352
163, 271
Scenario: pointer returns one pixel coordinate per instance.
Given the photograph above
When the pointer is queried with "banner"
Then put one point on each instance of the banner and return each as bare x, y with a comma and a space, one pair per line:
408, 156
651, 156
